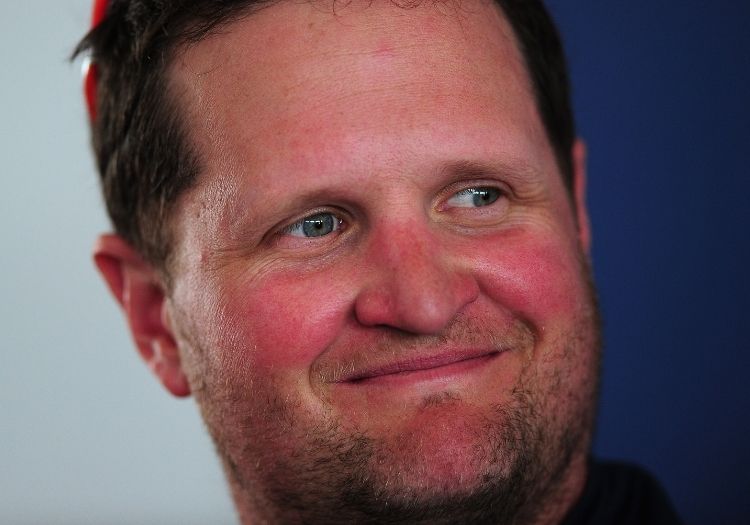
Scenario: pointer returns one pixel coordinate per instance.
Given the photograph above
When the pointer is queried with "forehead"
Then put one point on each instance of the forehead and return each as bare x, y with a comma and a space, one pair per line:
319, 87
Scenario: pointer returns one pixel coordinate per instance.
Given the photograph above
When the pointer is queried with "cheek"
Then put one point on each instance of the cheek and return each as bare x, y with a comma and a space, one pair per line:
538, 278
283, 321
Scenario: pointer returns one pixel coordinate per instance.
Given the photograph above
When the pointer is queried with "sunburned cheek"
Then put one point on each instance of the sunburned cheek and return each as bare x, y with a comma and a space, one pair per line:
285, 322
538, 279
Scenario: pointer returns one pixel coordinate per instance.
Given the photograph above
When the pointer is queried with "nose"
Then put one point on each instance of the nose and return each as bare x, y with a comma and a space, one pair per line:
413, 283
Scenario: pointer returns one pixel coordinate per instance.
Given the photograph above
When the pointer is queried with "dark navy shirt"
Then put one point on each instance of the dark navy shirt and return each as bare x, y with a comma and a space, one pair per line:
622, 494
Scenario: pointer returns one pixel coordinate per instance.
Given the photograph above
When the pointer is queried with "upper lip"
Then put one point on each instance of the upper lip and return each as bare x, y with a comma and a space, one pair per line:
412, 364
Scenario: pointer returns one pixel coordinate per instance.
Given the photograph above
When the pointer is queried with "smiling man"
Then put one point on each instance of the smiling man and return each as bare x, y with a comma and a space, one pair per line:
356, 233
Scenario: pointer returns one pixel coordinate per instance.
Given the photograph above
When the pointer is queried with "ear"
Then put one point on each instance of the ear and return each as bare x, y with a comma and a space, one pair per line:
138, 289
579, 195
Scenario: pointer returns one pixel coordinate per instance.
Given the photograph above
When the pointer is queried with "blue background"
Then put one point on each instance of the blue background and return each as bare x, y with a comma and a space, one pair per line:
661, 94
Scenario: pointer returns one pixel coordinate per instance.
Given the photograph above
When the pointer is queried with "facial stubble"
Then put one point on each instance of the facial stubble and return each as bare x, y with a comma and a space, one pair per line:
288, 466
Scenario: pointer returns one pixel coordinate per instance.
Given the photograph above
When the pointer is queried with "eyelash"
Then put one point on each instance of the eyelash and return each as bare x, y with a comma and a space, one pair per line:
480, 194
339, 224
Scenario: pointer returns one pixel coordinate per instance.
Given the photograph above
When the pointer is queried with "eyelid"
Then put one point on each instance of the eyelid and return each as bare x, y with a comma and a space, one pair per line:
454, 189
338, 221
281, 229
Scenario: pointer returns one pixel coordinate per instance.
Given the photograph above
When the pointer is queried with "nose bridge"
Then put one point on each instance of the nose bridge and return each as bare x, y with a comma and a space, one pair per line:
414, 282
408, 246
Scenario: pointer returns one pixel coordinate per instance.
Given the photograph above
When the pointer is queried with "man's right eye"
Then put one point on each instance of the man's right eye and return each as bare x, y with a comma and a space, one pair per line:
318, 225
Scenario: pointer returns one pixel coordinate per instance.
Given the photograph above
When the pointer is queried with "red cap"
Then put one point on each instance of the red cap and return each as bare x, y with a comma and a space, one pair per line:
90, 74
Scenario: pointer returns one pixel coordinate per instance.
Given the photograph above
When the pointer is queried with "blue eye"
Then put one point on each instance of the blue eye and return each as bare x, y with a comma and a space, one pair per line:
317, 225
475, 197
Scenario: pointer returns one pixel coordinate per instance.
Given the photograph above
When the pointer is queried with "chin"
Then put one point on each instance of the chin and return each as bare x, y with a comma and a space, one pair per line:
449, 447
452, 463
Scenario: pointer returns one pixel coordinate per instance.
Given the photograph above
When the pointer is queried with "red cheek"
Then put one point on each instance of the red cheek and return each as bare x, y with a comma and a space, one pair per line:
537, 278
285, 321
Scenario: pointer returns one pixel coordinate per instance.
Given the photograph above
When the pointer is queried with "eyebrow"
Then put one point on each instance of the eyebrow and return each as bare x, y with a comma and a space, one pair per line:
516, 169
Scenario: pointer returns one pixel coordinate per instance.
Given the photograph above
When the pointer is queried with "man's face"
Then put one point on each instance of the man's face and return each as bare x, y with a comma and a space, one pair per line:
379, 292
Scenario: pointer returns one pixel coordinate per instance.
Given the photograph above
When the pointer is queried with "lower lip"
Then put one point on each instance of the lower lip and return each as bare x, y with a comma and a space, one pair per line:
439, 374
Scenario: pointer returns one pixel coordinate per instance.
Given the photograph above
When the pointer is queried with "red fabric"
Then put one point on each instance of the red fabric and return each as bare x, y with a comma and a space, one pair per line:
89, 89
90, 75
100, 8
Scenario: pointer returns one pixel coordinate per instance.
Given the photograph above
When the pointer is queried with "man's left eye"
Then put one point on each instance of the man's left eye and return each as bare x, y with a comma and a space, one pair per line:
475, 197
318, 225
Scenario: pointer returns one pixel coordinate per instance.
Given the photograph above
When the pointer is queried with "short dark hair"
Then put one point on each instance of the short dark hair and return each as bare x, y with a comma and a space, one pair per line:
143, 154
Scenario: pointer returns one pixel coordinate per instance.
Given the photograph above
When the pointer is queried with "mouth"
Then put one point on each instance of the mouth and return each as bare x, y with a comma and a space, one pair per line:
442, 367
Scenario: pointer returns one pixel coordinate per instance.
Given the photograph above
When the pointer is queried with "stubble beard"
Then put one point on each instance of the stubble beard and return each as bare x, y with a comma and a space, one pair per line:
324, 471
349, 478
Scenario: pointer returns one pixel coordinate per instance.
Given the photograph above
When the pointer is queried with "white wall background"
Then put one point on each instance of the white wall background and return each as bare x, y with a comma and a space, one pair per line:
86, 434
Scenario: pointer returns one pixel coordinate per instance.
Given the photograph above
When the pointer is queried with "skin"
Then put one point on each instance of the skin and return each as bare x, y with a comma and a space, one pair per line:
431, 358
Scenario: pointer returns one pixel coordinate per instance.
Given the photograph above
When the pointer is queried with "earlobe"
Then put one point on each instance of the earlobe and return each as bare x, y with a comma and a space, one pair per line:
136, 286
579, 195
165, 363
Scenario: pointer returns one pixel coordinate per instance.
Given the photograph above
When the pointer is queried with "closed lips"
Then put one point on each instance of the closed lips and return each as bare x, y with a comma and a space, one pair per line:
427, 363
